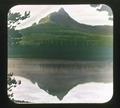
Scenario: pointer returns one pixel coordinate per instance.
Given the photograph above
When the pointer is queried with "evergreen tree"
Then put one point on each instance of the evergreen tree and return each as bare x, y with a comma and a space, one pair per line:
14, 19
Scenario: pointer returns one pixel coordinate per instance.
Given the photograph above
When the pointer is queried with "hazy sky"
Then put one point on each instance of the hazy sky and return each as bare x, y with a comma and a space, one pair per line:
81, 13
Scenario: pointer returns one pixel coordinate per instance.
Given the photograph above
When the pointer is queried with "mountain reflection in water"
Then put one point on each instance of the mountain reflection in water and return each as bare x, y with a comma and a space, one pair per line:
59, 76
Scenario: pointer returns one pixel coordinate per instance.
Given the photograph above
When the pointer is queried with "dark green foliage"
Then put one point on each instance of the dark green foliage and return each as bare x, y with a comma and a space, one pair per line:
61, 52
15, 18
104, 7
14, 36
11, 83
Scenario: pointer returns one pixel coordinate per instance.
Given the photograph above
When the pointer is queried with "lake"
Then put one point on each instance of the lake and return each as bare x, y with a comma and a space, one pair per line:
57, 77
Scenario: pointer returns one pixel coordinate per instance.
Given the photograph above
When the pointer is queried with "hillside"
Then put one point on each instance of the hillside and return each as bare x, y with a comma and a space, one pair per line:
59, 36
62, 19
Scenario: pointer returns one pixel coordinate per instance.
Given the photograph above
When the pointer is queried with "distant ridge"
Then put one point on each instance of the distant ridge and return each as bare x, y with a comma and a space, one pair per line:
62, 18
60, 24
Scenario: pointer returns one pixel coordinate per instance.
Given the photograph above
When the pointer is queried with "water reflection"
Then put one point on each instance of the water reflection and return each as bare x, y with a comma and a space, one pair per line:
59, 76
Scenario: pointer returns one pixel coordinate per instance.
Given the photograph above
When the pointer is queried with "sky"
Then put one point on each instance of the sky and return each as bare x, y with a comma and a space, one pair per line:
81, 13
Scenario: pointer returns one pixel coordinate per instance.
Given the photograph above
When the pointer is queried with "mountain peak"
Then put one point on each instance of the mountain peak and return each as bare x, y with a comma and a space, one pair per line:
62, 11
60, 17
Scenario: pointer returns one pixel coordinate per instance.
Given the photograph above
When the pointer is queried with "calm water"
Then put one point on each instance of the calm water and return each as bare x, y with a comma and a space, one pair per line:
59, 76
